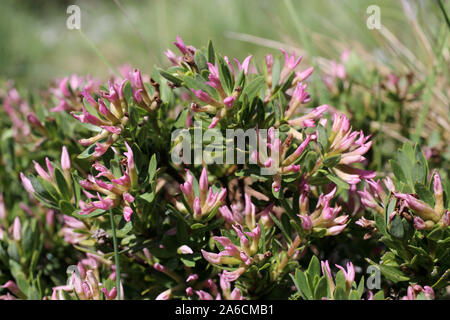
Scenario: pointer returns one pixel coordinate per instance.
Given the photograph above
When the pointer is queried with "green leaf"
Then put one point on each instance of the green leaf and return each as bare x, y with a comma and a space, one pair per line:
148, 196
211, 53
332, 161
224, 75
253, 88
393, 273
321, 289
310, 160
62, 184
197, 226
95, 213
340, 293
314, 266
302, 285
380, 223
379, 295
340, 280
338, 181
214, 225
188, 263
360, 289
436, 234
174, 79
281, 227
396, 227
398, 172
200, 61
66, 207
88, 152
152, 168
424, 193
322, 138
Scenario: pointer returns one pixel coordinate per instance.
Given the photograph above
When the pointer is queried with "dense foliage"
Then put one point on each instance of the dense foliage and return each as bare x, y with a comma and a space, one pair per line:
93, 205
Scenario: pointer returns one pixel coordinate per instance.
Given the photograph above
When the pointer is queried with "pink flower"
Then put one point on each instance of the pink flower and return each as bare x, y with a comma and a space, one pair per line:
65, 159
192, 277
245, 64
180, 45
229, 101
41, 172
303, 75
184, 249
26, 183
165, 295
202, 95
173, 58
127, 212
349, 274
419, 207
129, 155
110, 295
11, 286
17, 229
203, 295
214, 79
290, 62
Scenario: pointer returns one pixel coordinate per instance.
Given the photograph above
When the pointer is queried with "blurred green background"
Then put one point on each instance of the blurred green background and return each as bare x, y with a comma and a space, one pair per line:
36, 46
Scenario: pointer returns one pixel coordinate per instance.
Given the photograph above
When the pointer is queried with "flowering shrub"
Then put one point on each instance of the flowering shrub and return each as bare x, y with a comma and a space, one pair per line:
116, 215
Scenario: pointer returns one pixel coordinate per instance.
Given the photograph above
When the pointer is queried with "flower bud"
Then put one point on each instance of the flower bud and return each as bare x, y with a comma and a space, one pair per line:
17, 229
65, 159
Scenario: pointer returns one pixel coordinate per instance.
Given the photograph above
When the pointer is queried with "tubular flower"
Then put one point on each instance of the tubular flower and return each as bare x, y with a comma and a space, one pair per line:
349, 274
15, 107
224, 102
148, 100
243, 255
278, 162
427, 216
350, 146
323, 217
112, 191
187, 53
49, 174
226, 278
337, 71
414, 290
375, 197
299, 96
309, 119
290, 63
74, 231
69, 90
419, 207
206, 203
245, 217
86, 285
112, 120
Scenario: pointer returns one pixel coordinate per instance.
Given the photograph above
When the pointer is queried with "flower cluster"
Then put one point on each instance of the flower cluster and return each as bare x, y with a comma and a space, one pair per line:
278, 160
323, 217
124, 211
85, 283
69, 92
426, 216
51, 175
415, 291
350, 146
204, 204
116, 191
